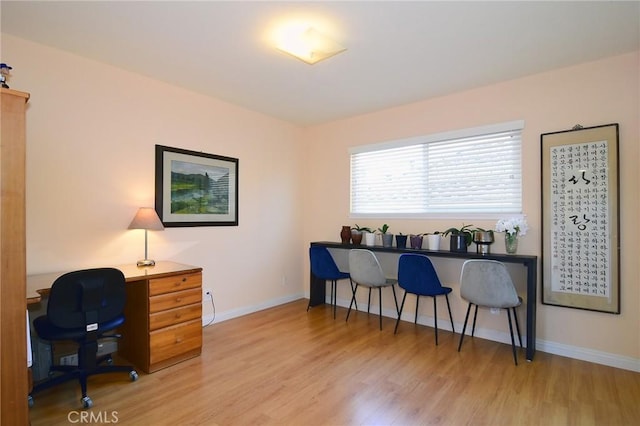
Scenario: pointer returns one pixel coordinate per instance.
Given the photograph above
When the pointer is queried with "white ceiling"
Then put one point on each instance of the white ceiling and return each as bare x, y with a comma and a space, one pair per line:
398, 52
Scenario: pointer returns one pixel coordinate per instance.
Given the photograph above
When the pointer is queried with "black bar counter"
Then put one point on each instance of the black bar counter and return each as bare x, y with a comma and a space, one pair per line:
317, 286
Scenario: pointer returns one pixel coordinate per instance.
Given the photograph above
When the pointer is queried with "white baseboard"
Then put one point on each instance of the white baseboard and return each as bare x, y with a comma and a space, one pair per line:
224, 316
583, 354
575, 352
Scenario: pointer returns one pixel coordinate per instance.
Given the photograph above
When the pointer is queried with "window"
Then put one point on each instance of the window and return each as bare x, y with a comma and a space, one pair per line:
472, 171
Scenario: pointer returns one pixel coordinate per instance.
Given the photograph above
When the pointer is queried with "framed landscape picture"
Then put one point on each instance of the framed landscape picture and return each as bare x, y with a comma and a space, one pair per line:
196, 189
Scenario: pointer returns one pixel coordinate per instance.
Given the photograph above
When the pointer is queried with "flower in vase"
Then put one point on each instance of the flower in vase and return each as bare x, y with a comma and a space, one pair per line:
513, 226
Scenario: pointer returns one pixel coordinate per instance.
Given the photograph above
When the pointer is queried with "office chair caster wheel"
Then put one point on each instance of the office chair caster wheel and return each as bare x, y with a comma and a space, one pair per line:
133, 375
87, 402
30, 401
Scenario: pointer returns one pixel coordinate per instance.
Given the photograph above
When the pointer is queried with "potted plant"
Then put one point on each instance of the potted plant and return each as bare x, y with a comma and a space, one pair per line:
416, 241
387, 238
433, 240
357, 232
460, 238
367, 234
401, 240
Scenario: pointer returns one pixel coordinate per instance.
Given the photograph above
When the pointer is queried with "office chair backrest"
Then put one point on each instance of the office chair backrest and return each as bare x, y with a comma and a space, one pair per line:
322, 263
365, 268
416, 274
487, 283
90, 296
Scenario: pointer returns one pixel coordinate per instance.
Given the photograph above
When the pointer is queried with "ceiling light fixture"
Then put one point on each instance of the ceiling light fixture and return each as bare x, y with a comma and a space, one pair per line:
309, 45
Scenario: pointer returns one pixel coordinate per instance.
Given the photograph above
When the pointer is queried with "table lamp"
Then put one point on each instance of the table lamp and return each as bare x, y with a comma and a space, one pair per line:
146, 218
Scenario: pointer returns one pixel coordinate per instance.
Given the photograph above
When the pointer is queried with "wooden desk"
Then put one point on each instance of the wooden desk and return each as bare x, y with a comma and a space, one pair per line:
317, 286
163, 314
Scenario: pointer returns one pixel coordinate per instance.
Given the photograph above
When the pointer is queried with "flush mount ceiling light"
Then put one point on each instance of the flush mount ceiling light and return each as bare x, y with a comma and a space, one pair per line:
309, 45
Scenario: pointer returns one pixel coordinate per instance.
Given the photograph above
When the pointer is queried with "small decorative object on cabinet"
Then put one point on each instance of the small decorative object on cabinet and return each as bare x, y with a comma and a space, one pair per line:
483, 240
4, 73
345, 234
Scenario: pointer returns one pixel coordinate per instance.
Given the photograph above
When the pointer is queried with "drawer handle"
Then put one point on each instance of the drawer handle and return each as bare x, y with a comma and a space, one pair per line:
178, 339
178, 315
178, 299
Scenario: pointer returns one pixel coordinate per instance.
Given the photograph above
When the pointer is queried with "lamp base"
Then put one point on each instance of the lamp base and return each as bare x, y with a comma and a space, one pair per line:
146, 262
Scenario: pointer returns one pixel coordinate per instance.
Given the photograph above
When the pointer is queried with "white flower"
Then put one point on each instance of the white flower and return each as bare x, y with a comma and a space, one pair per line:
513, 225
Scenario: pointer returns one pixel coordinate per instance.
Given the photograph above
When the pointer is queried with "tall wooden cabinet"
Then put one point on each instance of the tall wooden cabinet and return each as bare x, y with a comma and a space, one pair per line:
13, 302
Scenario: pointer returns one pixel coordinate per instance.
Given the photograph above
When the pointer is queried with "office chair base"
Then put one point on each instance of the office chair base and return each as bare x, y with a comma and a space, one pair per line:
73, 373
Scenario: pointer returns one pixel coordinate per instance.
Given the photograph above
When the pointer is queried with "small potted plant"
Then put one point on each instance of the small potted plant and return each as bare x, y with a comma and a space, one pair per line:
401, 240
433, 240
387, 238
357, 232
367, 235
416, 241
460, 238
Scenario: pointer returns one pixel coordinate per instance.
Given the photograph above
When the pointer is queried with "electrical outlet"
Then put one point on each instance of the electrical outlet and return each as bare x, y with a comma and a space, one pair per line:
208, 294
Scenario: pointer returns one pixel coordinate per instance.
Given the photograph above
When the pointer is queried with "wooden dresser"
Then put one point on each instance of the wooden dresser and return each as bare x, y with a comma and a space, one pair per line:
163, 314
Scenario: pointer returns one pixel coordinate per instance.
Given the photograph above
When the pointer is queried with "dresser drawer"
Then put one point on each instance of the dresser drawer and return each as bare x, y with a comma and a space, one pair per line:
175, 340
175, 316
174, 283
174, 300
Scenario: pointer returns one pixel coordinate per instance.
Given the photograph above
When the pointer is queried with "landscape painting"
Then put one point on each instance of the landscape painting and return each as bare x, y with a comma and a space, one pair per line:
195, 188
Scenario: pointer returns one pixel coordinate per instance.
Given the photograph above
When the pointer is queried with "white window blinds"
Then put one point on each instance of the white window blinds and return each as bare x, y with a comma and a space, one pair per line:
469, 173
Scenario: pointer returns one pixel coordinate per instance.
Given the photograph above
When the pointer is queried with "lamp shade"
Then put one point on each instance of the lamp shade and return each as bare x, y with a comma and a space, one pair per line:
146, 218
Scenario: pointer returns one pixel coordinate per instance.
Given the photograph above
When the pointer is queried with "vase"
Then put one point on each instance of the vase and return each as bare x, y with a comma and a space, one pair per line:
416, 241
356, 237
511, 242
345, 234
369, 239
387, 240
433, 241
483, 240
401, 241
458, 243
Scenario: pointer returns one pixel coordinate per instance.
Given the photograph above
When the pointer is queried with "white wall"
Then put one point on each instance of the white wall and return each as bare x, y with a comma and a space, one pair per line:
601, 92
91, 131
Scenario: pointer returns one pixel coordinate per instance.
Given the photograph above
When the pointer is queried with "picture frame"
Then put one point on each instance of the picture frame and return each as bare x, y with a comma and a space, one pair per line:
195, 188
580, 218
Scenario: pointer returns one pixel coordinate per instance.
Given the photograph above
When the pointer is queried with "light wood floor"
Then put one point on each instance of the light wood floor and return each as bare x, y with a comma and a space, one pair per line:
286, 366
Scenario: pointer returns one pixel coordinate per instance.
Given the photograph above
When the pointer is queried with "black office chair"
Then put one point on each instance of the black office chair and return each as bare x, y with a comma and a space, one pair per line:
83, 305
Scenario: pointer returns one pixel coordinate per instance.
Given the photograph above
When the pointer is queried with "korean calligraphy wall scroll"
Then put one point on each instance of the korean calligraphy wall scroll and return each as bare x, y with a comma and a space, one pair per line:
580, 236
